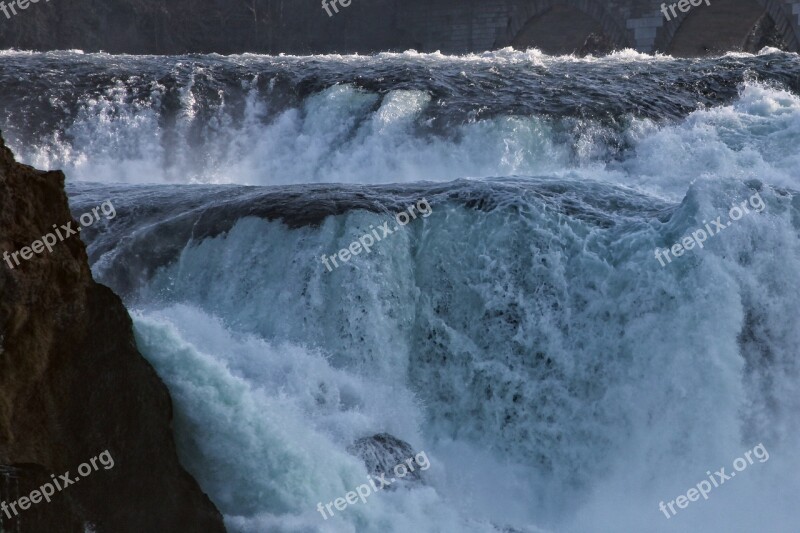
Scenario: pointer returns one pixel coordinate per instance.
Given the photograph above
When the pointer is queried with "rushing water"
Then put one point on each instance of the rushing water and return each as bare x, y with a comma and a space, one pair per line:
522, 333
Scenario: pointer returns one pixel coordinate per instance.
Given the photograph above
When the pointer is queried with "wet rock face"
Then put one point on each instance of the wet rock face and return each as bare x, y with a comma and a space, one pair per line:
382, 452
72, 385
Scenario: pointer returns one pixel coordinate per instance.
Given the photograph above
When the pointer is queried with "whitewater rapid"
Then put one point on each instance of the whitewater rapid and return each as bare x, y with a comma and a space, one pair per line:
523, 335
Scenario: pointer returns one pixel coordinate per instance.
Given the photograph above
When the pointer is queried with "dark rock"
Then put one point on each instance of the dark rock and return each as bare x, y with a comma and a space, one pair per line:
19, 480
382, 452
72, 385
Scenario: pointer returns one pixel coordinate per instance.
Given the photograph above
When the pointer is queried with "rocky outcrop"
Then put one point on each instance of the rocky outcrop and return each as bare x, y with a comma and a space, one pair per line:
72, 384
382, 452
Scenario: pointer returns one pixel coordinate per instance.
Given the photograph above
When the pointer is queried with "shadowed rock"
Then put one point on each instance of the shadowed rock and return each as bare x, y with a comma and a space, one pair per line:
382, 452
72, 384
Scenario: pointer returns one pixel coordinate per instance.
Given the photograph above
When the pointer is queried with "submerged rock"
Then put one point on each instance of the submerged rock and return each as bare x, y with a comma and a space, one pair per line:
382, 452
72, 385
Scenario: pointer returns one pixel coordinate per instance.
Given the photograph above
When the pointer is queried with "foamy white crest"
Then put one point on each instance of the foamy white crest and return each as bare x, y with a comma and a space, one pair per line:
348, 135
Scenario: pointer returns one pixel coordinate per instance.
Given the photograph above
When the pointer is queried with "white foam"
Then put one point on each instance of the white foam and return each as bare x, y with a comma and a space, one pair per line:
559, 377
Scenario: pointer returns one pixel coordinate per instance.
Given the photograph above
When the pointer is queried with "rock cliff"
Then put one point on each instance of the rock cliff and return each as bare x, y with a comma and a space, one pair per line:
72, 384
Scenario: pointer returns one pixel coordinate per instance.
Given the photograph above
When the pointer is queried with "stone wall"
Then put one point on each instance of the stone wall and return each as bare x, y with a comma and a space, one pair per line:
365, 26
483, 25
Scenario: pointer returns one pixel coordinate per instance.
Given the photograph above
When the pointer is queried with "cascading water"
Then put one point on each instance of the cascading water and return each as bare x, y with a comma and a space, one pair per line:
523, 334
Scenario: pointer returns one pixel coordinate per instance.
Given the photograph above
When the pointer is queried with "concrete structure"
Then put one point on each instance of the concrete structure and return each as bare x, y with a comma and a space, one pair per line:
561, 26
366, 26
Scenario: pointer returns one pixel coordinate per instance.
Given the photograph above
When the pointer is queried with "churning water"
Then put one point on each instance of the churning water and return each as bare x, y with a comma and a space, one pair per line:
523, 335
